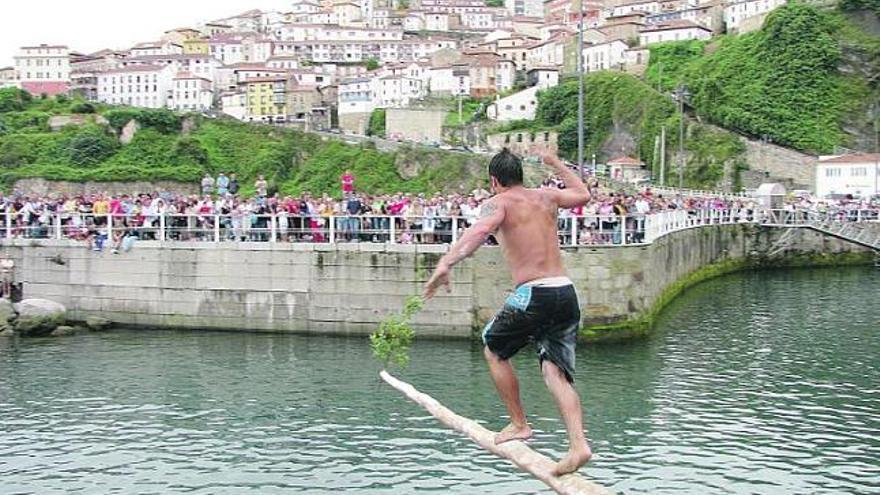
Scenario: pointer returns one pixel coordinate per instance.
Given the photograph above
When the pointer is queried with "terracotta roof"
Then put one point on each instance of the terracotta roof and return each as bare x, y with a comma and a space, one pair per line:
625, 160
853, 158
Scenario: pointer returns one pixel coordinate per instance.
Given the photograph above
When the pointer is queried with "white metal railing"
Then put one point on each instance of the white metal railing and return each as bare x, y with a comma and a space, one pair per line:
699, 193
572, 230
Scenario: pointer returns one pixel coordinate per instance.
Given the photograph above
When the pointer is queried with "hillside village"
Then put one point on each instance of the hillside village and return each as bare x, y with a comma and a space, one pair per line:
332, 63
473, 74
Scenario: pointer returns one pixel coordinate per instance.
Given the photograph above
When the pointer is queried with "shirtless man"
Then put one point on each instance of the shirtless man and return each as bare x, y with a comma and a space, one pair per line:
544, 308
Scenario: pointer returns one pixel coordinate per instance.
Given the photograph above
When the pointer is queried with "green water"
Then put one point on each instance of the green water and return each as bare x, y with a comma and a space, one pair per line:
752, 383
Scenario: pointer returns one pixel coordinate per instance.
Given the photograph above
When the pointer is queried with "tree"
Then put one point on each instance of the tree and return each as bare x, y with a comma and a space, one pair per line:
14, 100
372, 63
91, 146
189, 151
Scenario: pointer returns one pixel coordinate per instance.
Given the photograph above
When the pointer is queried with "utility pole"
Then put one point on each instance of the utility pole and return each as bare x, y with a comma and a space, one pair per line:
663, 156
681, 94
580, 70
877, 151
660, 78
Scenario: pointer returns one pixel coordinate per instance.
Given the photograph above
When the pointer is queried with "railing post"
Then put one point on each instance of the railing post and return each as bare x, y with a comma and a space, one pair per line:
273, 230
217, 228
110, 228
391, 228
332, 220
58, 226
623, 230
454, 230
574, 230
8, 223
162, 227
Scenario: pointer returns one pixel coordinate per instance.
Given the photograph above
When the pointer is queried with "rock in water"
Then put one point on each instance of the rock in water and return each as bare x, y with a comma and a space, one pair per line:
7, 312
39, 317
96, 323
7, 332
63, 331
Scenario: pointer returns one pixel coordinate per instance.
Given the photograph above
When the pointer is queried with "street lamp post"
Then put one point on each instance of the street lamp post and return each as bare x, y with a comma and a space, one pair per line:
681, 94
580, 70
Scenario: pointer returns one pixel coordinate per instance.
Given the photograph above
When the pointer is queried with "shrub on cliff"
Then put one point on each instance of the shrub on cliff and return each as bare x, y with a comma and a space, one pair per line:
90, 146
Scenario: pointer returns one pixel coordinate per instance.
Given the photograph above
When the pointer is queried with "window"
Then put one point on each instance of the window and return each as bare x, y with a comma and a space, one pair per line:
858, 172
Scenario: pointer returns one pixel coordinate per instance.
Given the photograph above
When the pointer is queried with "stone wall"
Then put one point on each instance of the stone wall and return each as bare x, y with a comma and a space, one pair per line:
43, 187
772, 163
355, 123
417, 125
349, 288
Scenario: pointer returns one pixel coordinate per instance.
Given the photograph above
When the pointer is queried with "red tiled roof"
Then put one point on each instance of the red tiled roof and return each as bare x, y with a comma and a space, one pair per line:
625, 160
853, 158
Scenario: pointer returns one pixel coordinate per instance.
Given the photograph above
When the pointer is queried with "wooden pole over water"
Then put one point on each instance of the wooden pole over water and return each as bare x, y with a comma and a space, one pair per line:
534, 463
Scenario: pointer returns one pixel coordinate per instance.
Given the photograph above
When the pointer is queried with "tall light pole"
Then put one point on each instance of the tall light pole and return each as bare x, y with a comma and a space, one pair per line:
681, 94
580, 70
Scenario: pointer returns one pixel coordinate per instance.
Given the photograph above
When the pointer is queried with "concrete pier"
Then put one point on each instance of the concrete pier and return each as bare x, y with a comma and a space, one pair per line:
349, 288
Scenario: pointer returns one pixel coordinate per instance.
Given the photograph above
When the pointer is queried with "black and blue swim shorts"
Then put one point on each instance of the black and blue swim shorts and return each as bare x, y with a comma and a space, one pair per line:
549, 317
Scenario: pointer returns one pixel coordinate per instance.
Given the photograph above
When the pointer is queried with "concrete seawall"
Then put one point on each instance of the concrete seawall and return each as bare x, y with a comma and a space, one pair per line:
349, 288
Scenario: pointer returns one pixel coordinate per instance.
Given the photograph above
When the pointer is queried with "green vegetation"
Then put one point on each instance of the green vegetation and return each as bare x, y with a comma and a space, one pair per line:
783, 81
391, 341
472, 110
292, 161
620, 104
372, 63
376, 126
857, 5
495, 3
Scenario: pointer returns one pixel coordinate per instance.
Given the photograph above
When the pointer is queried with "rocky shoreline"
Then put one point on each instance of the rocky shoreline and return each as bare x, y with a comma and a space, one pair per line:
43, 318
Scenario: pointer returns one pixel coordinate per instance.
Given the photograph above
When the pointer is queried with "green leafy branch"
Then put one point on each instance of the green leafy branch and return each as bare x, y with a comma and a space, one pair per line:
390, 342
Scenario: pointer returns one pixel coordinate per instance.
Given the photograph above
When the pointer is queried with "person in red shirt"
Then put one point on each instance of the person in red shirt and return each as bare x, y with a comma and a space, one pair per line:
347, 183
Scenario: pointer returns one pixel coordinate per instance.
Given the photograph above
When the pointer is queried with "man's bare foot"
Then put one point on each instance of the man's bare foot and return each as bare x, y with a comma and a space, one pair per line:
513, 432
575, 458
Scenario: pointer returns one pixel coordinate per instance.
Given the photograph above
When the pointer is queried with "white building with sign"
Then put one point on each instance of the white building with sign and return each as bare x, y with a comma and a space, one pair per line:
857, 174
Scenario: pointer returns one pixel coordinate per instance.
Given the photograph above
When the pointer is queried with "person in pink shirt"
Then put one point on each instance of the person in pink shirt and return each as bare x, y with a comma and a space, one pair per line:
347, 183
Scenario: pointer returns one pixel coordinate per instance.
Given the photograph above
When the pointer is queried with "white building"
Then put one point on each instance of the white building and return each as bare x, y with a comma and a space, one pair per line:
543, 77
528, 8
679, 30
648, 7
605, 56
449, 80
43, 69
736, 12
199, 65
191, 92
518, 106
7, 77
146, 86
227, 48
857, 174
155, 48
234, 104
357, 95
398, 91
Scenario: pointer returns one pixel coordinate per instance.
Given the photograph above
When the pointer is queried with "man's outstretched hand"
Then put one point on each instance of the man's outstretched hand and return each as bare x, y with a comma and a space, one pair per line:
552, 160
439, 278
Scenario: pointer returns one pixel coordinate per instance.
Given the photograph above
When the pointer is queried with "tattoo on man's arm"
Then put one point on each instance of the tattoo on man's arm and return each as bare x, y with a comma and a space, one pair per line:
488, 209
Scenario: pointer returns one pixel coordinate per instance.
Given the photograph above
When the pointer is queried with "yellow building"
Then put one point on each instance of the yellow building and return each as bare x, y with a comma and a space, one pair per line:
265, 99
196, 46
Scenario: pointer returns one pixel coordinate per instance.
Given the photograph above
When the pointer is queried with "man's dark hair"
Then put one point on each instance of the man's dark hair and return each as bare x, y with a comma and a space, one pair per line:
506, 167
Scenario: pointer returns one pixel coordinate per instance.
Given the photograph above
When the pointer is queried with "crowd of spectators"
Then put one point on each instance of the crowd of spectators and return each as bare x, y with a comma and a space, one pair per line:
222, 213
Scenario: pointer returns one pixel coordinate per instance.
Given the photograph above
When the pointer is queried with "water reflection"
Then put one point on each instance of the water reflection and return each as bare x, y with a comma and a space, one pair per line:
754, 383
